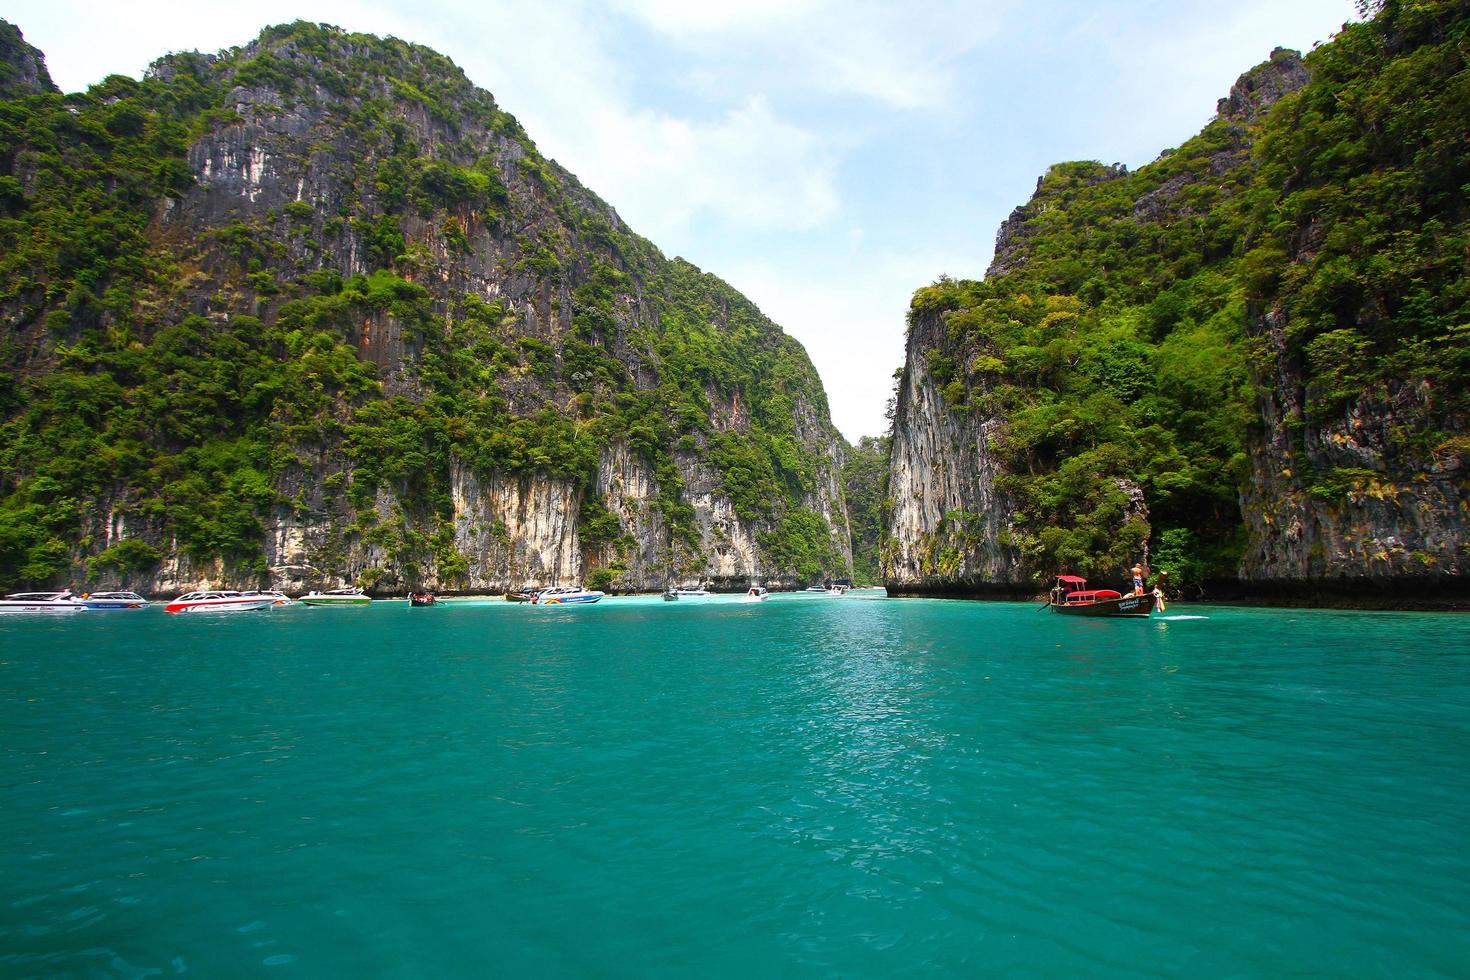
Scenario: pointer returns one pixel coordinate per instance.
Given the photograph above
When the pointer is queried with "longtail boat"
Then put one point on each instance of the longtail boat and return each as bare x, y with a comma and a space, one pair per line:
1072, 597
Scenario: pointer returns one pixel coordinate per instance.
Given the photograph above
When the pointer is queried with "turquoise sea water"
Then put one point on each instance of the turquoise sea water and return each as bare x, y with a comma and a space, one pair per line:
806, 787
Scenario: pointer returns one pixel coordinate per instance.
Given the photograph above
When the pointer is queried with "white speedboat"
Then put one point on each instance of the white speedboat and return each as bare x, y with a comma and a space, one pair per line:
216, 600
834, 592
114, 600
336, 597
277, 599
686, 592
41, 602
567, 595
757, 593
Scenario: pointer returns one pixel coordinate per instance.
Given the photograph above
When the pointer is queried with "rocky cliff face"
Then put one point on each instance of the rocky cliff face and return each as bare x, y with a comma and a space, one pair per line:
1336, 505
1255, 92
949, 524
1358, 483
955, 526
482, 282
22, 67
1013, 240
1243, 358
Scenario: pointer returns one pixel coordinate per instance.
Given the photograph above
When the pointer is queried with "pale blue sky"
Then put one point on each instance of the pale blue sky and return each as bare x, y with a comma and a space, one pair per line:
826, 158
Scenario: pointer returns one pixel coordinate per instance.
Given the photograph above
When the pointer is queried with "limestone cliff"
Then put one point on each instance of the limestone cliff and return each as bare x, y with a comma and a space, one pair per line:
948, 525
1338, 505
1357, 482
1242, 361
538, 395
22, 67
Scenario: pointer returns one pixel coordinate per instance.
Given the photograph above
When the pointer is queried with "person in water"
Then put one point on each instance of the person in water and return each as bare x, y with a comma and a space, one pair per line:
1138, 580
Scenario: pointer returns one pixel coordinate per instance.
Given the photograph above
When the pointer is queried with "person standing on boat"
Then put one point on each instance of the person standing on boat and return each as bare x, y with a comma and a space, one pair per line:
1138, 580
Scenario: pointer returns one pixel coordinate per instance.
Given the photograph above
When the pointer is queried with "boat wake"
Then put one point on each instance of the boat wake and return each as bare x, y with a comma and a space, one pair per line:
1175, 619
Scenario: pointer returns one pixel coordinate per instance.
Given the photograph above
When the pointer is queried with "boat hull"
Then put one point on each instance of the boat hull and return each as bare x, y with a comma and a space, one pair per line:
40, 607
1123, 607
333, 601
221, 606
278, 600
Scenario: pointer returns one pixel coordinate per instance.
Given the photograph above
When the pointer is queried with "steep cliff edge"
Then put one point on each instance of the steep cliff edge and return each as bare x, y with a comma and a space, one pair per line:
22, 67
1085, 401
1358, 285
1339, 506
949, 523
315, 310
1246, 361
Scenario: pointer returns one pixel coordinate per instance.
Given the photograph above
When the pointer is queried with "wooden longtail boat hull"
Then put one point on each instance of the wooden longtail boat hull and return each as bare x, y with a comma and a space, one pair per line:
1128, 607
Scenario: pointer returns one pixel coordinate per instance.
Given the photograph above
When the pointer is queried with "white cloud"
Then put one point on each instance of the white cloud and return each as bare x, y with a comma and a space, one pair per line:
1178, 60
900, 56
743, 164
680, 17
850, 319
907, 57
750, 169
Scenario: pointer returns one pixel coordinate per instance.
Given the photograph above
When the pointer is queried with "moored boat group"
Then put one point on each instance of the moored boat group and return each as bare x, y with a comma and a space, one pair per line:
756, 593
201, 600
254, 600
65, 601
1070, 596
230, 600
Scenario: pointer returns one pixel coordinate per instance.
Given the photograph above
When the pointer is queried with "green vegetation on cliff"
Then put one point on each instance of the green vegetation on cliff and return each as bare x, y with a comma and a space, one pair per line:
183, 373
1359, 217
1125, 333
865, 486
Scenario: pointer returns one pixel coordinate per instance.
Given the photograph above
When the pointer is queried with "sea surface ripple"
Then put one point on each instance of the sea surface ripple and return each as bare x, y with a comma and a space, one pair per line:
851, 787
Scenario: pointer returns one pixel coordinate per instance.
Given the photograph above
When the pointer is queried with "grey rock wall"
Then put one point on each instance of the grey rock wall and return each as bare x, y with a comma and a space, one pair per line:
255, 171
947, 529
1392, 520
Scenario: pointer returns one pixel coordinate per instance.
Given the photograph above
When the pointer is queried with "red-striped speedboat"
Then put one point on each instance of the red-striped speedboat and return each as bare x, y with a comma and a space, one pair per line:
215, 600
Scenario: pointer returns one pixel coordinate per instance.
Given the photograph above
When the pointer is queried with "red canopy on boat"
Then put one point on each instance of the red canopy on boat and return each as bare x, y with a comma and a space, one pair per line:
1071, 578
